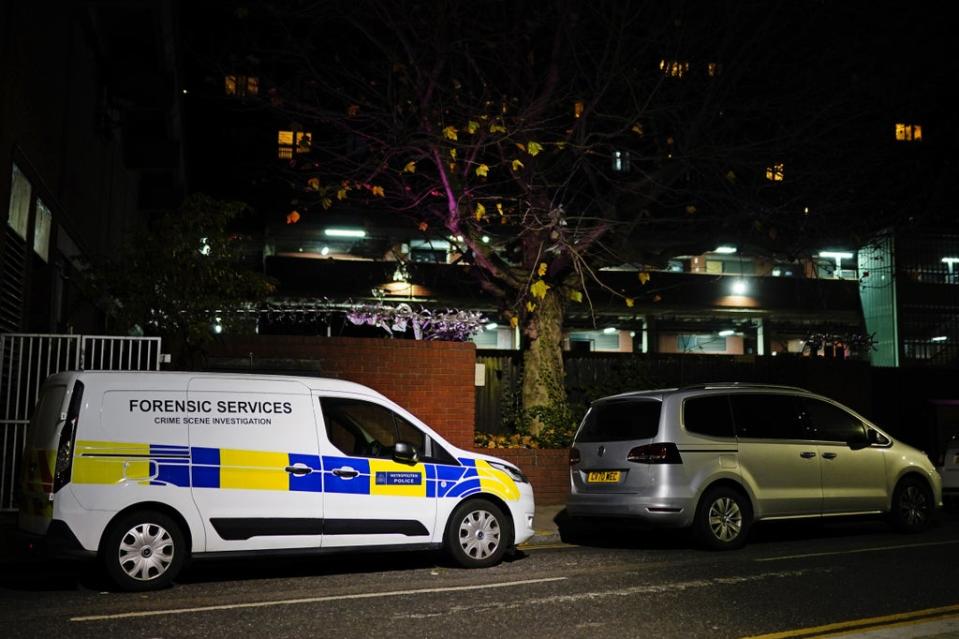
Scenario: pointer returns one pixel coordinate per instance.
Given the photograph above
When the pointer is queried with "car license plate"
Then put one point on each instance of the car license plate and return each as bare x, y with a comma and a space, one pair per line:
603, 477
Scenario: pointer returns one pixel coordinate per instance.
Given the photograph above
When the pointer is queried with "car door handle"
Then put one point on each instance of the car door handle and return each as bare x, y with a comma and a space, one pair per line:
808, 454
829, 455
299, 470
347, 473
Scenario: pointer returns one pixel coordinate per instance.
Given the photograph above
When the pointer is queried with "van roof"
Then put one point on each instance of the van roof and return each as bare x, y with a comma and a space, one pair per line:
313, 383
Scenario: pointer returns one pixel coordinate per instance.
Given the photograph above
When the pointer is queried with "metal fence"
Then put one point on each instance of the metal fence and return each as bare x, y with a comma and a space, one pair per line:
26, 360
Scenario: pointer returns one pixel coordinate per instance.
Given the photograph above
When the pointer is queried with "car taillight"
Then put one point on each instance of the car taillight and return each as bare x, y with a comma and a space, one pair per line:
655, 454
574, 457
64, 465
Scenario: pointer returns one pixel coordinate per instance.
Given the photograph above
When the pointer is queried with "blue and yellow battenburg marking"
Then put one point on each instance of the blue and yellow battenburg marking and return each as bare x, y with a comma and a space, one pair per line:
225, 468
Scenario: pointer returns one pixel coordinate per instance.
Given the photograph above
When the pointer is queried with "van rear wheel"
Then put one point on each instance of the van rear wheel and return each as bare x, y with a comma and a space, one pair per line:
723, 518
478, 534
143, 550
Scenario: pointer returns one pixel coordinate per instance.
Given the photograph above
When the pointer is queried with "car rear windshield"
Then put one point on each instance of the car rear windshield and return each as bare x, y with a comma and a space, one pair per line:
621, 421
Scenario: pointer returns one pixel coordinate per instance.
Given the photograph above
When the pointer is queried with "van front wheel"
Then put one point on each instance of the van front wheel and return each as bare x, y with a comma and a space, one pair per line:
478, 534
143, 550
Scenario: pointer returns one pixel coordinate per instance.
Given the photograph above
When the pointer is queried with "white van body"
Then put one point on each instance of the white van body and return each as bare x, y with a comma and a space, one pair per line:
249, 463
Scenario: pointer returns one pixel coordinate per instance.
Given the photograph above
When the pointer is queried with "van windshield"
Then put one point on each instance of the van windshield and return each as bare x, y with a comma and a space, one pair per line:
621, 421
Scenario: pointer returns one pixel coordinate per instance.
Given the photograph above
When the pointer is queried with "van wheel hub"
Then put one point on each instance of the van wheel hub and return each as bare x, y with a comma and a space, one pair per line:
146, 551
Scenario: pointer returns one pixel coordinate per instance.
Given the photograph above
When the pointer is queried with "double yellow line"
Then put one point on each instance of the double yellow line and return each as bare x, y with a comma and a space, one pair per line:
864, 625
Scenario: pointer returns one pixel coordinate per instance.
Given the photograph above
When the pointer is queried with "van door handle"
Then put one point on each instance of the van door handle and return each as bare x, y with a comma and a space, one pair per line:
829, 455
347, 473
299, 470
808, 454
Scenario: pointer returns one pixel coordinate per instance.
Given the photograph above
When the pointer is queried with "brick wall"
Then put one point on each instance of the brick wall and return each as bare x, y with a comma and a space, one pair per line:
547, 470
432, 380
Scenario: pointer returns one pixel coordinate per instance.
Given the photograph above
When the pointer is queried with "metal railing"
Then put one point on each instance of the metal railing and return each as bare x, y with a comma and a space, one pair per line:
26, 360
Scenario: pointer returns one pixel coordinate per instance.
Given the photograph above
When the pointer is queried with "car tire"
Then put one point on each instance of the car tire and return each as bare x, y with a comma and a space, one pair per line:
143, 550
912, 507
723, 518
478, 534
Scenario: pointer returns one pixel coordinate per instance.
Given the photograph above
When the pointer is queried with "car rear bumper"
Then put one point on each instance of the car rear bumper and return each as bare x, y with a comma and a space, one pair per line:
58, 541
668, 513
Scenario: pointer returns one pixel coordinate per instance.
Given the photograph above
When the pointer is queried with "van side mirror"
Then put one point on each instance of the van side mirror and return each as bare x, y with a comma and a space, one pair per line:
405, 453
861, 440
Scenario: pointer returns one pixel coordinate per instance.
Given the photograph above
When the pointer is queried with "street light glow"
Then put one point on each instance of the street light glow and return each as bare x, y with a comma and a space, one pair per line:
344, 232
739, 287
609, 330
725, 249
727, 332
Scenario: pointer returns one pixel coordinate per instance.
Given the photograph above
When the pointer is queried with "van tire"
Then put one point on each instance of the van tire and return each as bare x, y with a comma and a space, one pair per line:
478, 534
912, 507
723, 518
143, 550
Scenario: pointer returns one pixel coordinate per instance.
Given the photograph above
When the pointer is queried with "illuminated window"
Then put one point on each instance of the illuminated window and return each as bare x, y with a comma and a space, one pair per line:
18, 213
774, 173
620, 161
712, 69
41, 231
241, 85
674, 68
290, 143
908, 132
578, 108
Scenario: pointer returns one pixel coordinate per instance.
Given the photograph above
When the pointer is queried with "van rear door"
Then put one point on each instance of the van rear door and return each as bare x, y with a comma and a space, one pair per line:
38, 464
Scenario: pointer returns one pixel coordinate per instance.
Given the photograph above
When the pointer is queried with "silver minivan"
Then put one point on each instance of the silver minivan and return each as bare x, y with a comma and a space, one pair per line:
717, 457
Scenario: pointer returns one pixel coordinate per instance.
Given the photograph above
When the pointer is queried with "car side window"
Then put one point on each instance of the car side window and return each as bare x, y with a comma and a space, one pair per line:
831, 423
365, 429
767, 416
708, 415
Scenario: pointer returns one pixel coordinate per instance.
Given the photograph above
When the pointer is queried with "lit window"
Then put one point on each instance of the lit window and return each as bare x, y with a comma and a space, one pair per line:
620, 161
41, 231
774, 173
18, 213
290, 143
674, 68
908, 132
241, 85
712, 69
578, 107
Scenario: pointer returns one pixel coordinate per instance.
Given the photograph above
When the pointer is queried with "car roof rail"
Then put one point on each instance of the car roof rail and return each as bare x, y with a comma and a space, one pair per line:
759, 385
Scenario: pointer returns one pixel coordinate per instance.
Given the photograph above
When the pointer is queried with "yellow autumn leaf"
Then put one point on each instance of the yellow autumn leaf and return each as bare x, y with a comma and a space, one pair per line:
452, 166
450, 133
314, 183
514, 321
482, 170
472, 126
499, 208
541, 271
643, 277
530, 307
630, 302
520, 146
731, 176
453, 153
378, 191
480, 211
539, 288
691, 208
410, 167
560, 145
533, 148
637, 129
326, 202
341, 194
576, 296
517, 165
495, 127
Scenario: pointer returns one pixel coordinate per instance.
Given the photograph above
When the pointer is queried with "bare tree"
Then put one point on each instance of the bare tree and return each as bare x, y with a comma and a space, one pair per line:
553, 139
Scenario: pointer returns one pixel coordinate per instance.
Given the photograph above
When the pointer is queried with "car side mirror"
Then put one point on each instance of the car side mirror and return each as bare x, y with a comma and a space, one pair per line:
405, 453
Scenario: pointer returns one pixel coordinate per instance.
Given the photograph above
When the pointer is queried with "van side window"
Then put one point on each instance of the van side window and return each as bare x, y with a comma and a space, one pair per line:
708, 415
831, 423
621, 420
767, 416
364, 429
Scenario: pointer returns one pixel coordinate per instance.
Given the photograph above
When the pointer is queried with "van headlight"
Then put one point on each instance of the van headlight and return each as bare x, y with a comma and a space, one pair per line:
512, 471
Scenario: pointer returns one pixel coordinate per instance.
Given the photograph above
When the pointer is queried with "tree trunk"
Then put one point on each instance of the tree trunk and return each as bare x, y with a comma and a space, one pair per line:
543, 372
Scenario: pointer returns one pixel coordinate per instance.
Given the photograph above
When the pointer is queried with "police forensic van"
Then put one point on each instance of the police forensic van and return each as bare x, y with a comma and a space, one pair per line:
146, 470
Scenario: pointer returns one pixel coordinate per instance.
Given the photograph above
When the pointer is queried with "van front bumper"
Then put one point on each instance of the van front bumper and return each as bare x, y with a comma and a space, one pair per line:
667, 513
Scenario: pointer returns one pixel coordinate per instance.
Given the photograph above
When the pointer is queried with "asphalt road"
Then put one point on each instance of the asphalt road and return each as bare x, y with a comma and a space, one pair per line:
624, 583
